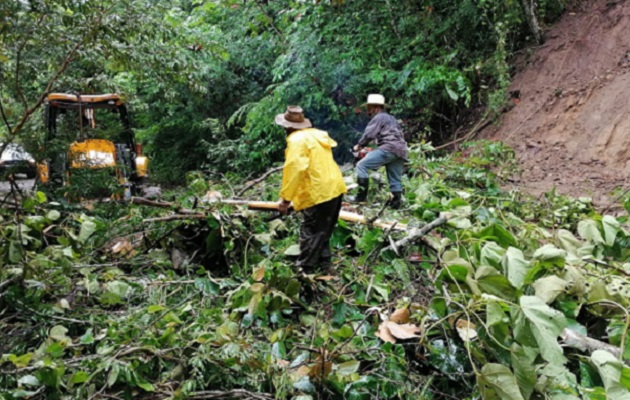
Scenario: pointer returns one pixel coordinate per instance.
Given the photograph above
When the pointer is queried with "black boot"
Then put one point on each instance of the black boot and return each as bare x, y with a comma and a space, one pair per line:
396, 201
362, 192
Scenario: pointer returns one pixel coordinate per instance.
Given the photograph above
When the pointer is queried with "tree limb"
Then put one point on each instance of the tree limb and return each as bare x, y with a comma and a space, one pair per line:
176, 218
583, 343
230, 394
417, 234
257, 181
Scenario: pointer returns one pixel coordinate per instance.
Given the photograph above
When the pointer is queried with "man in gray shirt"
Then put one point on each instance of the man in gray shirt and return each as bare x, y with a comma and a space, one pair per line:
391, 152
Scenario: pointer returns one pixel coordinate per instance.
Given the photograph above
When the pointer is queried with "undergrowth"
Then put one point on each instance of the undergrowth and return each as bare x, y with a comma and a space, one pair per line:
99, 300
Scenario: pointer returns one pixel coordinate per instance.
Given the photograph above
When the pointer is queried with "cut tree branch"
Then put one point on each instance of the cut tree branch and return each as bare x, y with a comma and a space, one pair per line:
417, 234
583, 343
257, 181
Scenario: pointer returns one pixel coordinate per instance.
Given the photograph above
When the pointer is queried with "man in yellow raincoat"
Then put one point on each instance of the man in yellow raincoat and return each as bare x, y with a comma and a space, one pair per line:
312, 181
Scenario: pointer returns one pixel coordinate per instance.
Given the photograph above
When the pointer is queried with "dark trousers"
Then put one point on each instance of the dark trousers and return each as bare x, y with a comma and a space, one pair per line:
317, 227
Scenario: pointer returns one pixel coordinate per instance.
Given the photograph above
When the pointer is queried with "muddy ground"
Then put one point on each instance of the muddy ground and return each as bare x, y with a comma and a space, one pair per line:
571, 127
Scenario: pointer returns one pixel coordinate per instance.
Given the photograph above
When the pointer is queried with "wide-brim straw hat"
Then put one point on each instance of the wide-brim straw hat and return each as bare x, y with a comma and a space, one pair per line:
293, 118
375, 100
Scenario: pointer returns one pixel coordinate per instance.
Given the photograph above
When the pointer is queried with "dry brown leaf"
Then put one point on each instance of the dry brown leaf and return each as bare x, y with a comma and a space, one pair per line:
303, 371
400, 316
283, 363
122, 247
404, 331
320, 369
466, 330
384, 334
259, 274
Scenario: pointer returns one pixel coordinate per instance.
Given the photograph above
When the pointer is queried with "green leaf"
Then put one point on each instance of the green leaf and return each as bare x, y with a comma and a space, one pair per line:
492, 282
491, 254
496, 381
589, 230
21, 361
549, 252
611, 229
546, 326
549, 287
53, 215
524, 369
293, 250
348, 368
87, 229
16, 252
293, 288
87, 337
494, 313
28, 380
610, 370
58, 333
515, 266
40, 197
207, 286
79, 377
498, 234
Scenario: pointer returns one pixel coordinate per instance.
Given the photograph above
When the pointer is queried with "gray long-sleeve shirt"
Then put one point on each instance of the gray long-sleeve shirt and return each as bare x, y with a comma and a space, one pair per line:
385, 130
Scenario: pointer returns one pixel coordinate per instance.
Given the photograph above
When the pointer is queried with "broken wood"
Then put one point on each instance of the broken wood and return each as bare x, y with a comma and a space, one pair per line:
583, 343
255, 182
417, 234
145, 202
177, 217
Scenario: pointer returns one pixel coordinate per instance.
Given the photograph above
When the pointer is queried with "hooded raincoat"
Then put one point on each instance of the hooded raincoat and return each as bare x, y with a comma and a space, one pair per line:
310, 176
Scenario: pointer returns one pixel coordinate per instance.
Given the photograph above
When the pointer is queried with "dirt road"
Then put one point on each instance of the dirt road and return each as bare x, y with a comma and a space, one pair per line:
24, 184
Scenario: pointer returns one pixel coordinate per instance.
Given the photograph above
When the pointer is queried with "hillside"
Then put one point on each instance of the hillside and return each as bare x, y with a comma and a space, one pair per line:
571, 128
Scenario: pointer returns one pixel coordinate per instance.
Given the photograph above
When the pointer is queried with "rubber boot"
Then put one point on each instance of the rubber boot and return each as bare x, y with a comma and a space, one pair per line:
362, 192
396, 201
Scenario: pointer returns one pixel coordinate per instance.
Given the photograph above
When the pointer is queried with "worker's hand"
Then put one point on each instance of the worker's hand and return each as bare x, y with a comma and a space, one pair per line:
283, 207
356, 148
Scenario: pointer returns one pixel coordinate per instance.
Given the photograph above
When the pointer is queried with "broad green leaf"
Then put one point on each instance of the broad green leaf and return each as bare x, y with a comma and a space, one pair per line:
546, 326
496, 381
119, 288
492, 282
498, 234
589, 230
491, 254
87, 229
515, 266
28, 380
569, 242
524, 369
549, 252
79, 377
348, 368
21, 361
58, 333
494, 313
293, 250
611, 229
610, 370
87, 337
53, 215
549, 287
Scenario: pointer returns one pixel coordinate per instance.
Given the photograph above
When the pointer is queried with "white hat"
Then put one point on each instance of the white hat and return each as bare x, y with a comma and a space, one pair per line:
376, 99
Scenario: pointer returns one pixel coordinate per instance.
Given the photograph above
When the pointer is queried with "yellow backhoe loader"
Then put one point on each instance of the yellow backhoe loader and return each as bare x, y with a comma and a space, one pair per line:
90, 133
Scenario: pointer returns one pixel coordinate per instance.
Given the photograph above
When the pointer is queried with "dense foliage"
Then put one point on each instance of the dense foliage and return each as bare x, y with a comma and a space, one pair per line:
99, 300
206, 77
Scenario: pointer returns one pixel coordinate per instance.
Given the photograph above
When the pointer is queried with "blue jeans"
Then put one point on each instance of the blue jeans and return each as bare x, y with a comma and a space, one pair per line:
376, 159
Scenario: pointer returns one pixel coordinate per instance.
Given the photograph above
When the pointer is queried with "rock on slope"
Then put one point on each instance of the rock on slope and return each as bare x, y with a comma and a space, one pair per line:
571, 129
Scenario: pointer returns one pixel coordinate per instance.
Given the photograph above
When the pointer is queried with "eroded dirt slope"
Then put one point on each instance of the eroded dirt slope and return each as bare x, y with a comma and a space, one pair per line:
571, 128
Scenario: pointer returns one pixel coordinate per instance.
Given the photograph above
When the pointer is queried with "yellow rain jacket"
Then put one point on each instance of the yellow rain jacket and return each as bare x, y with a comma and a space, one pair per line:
310, 174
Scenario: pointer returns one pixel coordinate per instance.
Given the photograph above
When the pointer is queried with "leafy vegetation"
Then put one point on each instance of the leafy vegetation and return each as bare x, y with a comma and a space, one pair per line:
101, 300
211, 75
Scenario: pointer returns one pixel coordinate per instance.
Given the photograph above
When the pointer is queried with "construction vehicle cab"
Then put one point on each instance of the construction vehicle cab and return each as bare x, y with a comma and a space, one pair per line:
90, 134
